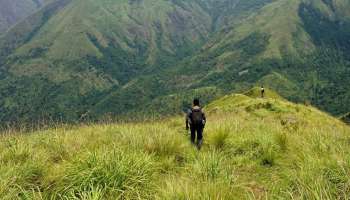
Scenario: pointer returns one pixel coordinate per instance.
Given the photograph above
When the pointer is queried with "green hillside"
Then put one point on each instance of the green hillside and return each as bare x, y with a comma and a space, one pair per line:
293, 46
13, 11
254, 149
82, 57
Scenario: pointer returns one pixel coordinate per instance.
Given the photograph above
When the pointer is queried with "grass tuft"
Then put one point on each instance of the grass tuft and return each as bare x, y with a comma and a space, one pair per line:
107, 174
220, 138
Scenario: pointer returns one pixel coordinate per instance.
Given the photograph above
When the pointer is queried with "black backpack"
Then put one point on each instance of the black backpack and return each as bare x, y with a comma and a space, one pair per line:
196, 116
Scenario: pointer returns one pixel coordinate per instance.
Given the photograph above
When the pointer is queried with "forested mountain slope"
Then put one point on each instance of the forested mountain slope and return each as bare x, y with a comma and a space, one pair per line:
13, 11
92, 58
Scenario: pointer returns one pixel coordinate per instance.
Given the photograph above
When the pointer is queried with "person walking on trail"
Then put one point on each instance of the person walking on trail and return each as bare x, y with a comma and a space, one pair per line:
262, 92
195, 121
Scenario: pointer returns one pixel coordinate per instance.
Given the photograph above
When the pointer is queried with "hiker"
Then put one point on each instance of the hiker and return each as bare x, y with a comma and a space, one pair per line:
195, 121
262, 91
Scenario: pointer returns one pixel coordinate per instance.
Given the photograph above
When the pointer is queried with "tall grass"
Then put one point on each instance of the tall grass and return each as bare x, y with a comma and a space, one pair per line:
254, 153
107, 173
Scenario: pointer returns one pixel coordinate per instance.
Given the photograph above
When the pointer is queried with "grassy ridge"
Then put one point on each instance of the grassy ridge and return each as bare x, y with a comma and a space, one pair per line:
254, 149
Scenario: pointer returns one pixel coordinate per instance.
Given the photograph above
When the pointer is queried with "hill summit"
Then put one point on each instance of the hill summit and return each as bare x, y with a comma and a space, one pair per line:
255, 92
254, 149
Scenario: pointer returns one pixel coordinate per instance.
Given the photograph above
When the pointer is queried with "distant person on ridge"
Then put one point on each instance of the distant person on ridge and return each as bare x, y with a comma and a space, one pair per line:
262, 91
195, 120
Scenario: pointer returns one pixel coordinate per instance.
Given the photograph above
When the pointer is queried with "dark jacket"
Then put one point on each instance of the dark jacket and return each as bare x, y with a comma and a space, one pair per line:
189, 116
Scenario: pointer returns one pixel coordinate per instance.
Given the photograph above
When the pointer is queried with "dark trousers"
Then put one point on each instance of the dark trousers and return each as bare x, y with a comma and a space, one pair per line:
199, 130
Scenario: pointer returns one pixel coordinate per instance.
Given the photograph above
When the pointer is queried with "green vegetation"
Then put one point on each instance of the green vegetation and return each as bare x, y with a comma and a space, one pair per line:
256, 92
86, 59
254, 149
346, 118
13, 11
179, 102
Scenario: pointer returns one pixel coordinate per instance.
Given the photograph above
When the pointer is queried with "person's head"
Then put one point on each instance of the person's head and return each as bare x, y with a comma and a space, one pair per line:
196, 102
